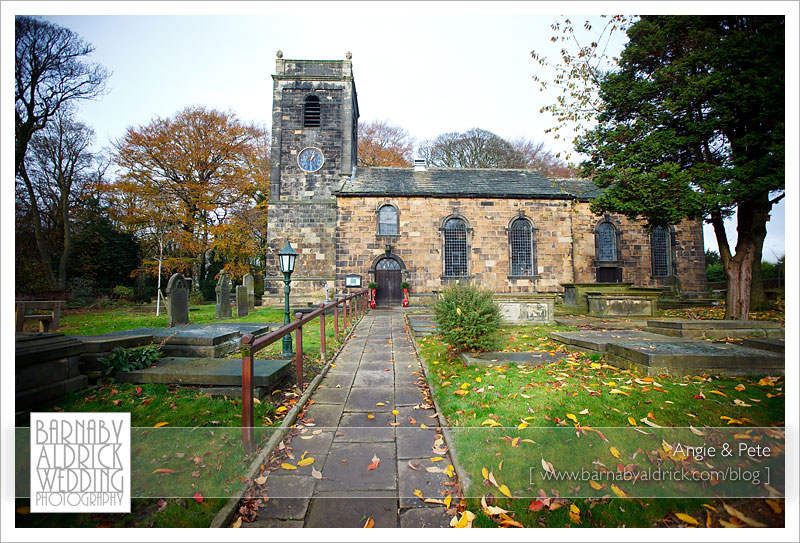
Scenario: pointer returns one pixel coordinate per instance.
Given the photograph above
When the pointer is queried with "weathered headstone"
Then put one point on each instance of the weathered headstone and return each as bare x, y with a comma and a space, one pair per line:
249, 283
242, 301
177, 301
327, 293
223, 289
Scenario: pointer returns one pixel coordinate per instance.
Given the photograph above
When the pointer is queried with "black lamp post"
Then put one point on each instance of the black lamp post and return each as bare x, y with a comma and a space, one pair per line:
287, 258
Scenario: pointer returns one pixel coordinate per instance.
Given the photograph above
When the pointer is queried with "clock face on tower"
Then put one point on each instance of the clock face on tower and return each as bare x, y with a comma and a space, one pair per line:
310, 159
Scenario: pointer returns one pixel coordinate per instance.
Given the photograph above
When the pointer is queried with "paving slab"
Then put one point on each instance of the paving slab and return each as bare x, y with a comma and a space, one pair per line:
430, 484
408, 396
209, 371
370, 379
323, 415
368, 398
337, 378
415, 442
272, 523
359, 428
351, 510
425, 517
501, 359
314, 440
346, 467
326, 394
422, 325
289, 496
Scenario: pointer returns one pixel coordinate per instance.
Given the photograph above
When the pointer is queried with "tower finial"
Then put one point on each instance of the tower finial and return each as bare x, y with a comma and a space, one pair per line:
349, 55
279, 54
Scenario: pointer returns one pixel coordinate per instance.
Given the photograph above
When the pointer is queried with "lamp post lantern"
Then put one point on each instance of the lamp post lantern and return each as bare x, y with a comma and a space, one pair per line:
287, 258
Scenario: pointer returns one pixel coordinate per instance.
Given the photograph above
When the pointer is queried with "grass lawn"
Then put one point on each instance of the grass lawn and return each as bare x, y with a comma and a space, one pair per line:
510, 421
186, 450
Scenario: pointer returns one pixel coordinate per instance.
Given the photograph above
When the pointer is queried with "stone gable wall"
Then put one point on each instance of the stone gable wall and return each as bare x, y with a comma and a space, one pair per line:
564, 228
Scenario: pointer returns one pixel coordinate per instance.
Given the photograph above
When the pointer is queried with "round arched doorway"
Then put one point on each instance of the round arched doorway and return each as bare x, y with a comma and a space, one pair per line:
388, 276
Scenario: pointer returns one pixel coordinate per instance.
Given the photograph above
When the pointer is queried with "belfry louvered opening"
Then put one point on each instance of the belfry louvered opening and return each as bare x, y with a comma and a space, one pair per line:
455, 248
311, 112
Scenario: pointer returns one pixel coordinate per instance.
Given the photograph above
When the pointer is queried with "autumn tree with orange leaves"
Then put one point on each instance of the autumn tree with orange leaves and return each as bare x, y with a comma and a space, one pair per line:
191, 174
381, 144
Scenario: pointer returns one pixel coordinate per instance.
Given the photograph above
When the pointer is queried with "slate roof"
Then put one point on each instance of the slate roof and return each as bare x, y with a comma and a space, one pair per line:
462, 182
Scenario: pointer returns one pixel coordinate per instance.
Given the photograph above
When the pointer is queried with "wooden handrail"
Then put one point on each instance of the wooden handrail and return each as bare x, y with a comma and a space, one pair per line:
251, 345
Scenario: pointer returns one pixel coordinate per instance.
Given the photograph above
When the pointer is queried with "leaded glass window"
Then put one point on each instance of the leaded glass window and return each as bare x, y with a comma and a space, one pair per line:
606, 242
660, 248
388, 264
455, 248
387, 221
523, 249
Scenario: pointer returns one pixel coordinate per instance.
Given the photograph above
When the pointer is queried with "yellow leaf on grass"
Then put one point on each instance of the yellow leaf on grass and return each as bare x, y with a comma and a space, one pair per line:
515, 442
284, 465
522, 426
710, 507
504, 489
718, 393
490, 509
281, 409
740, 387
618, 491
464, 522
574, 514
738, 514
485, 473
572, 417
632, 421
548, 467
306, 461
595, 485
164, 470
458, 310
491, 423
461, 392
689, 519
618, 391
160, 424
614, 451
500, 466
776, 507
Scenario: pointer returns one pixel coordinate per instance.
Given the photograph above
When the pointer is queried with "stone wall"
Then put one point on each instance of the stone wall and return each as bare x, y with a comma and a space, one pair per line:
302, 207
564, 228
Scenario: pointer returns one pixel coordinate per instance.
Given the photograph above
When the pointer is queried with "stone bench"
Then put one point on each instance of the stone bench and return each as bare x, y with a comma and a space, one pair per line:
46, 312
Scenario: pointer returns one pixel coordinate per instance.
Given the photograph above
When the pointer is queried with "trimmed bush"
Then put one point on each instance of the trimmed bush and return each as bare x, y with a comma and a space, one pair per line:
123, 292
196, 297
468, 318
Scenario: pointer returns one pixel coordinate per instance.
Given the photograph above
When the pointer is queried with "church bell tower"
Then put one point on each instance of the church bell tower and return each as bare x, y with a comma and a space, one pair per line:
314, 140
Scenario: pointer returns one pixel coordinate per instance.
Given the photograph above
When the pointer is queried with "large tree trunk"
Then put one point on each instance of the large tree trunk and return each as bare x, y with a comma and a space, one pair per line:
751, 229
62, 265
41, 244
758, 298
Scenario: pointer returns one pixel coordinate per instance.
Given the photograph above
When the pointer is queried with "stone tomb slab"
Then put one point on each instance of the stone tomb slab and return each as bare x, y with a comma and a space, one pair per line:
422, 325
502, 359
368, 398
209, 371
352, 509
773, 345
359, 428
289, 496
598, 340
716, 328
679, 358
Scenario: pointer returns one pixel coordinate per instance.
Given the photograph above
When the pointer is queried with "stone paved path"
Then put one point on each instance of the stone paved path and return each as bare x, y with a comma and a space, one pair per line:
353, 417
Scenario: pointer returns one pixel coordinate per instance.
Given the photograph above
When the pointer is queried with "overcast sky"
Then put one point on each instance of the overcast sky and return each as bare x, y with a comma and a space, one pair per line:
429, 68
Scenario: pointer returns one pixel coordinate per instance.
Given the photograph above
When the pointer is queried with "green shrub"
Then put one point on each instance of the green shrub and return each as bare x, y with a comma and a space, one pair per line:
196, 297
372, 284
129, 359
123, 292
208, 288
715, 273
80, 291
468, 317
404, 284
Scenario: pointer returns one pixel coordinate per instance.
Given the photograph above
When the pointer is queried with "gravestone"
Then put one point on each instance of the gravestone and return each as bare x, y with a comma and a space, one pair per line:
327, 294
223, 308
177, 301
249, 283
242, 301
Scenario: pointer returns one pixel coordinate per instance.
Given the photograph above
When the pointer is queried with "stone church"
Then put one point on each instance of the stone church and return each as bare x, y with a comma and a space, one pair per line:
513, 231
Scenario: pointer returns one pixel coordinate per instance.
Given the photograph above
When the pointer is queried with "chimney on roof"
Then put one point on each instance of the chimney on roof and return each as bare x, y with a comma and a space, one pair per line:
420, 165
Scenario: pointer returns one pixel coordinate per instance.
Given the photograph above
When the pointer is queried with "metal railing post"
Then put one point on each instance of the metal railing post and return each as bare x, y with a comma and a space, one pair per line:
322, 348
247, 393
298, 362
344, 308
336, 318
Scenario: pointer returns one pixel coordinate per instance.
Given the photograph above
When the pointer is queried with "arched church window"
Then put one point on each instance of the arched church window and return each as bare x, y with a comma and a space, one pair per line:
387, 221
522, 243
661, 251
388, 264
605, 237
455, 248
311, 111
